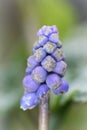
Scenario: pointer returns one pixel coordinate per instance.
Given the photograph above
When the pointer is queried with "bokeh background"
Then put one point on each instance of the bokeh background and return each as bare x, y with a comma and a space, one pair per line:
19, 22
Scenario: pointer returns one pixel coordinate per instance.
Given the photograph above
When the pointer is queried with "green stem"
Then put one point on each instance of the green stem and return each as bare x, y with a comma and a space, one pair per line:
43, 113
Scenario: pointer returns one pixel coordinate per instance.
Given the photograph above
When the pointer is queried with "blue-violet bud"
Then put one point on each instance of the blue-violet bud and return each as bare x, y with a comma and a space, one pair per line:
30, 85
42, 90
49, 47
54, 29
59, 44
39, 54
53, 81
28, 70
48, 63
29, 101
31, 62
36, 45
58, 54
45, 31
53, 37
62, 89
39, 74
60, 68
42, 40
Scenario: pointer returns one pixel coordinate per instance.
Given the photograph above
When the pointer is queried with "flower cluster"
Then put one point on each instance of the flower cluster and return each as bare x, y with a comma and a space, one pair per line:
45, 68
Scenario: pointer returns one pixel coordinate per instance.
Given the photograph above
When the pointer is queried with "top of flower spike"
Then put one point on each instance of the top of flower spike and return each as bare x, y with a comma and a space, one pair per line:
47, 30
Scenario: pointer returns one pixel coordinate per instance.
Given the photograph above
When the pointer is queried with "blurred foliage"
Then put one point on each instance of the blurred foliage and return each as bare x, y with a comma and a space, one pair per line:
75, 118
50, 12
65, 114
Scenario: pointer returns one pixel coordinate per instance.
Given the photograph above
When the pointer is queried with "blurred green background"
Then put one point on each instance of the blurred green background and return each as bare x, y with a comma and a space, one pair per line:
19, 22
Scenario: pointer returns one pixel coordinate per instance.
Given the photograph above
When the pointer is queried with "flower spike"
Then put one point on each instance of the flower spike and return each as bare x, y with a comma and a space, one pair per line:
45, 70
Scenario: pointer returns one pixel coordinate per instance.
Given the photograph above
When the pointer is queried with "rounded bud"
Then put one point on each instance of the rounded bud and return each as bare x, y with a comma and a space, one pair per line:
54, 37
36, 45
58, 54
29, 101
29, 84
54, 29
42, 40
60, 68
39, 74
49, 47
48, 63
28, 70
59, 44
42, 90
39, 54
31, 62
41, 30
53, 81
47, 31
62, 89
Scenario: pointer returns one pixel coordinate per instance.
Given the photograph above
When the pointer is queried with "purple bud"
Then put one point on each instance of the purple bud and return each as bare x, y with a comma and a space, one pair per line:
49, 47
33, 50
39, 54
54, 29
58, 54
59, 44
54, 37
42, 40
60, 68
31, 62
41, 30
29, 101
39, 74
36, 45
53, 81
28, 70
42, 90
62, 89
47, 31
48, 63
29, 84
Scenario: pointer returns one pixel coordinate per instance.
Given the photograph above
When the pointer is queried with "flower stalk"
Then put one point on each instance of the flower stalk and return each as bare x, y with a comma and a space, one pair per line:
44, 113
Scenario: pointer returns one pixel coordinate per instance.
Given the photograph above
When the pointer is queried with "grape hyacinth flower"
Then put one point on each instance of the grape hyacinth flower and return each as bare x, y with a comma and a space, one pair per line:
45, 70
